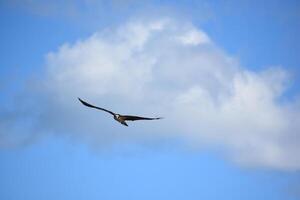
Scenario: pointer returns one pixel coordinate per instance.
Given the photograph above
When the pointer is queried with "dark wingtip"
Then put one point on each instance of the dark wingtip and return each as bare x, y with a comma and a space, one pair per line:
84, 103
81, 100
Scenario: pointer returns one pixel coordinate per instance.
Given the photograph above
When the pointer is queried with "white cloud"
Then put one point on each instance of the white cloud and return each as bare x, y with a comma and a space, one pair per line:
169, 68
194, 37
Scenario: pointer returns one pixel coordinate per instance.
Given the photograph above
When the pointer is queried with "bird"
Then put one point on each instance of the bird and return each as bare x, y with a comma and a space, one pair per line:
118, 117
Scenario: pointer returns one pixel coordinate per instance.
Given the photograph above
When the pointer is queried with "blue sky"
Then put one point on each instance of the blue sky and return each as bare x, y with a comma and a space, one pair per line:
52, 147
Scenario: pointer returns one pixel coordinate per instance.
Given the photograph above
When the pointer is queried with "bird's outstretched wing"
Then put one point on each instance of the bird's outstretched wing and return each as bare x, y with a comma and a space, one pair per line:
133, 118
91, 106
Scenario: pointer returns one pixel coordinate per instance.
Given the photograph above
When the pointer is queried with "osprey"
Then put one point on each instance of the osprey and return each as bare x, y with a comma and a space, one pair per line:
120, 118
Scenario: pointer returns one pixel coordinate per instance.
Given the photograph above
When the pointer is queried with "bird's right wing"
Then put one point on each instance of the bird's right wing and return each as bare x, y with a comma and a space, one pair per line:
133, 118
91, 106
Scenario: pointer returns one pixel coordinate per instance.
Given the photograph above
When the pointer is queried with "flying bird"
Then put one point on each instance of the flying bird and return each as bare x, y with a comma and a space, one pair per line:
120, 118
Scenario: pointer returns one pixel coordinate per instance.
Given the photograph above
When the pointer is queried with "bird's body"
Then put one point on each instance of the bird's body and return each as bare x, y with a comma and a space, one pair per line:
120, 118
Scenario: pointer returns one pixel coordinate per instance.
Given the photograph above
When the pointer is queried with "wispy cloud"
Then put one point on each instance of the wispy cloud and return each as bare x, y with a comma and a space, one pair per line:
170, 68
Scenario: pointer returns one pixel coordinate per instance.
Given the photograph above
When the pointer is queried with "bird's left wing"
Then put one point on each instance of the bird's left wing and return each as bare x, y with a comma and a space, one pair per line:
92, 106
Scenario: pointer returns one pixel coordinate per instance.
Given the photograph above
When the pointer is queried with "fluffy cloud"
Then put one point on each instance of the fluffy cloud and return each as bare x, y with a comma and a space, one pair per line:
173, 69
